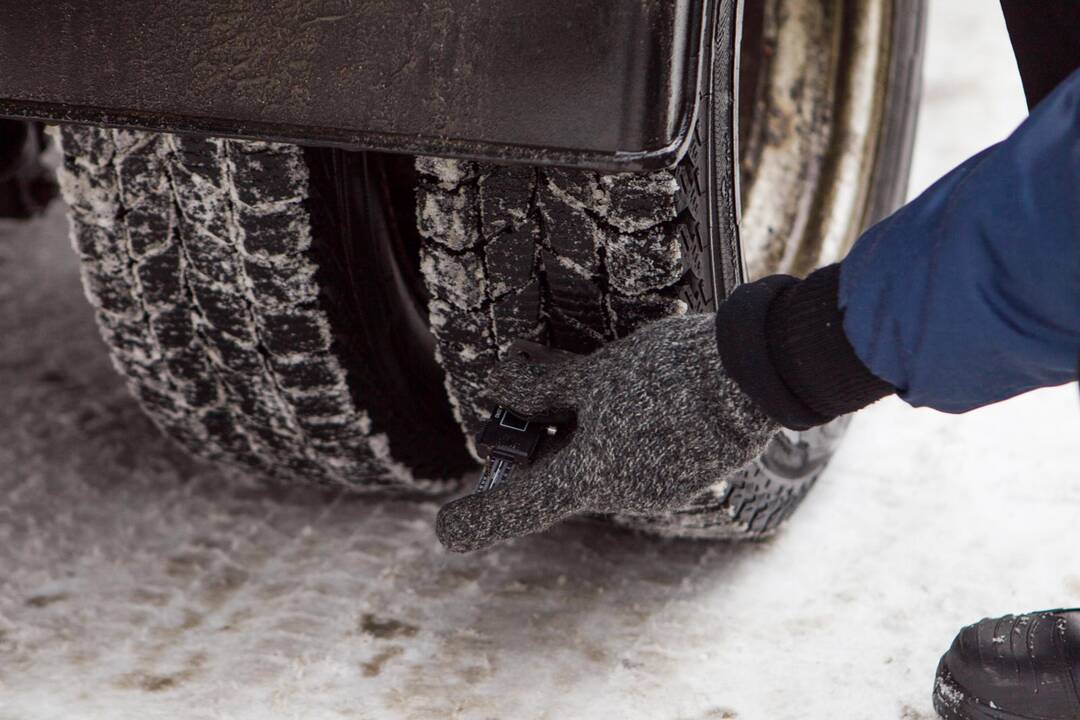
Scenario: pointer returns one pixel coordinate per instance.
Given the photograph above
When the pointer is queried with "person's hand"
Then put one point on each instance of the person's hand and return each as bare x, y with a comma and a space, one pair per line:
653, 418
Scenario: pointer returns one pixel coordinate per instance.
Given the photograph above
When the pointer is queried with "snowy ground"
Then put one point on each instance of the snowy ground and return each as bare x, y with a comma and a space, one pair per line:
136, 584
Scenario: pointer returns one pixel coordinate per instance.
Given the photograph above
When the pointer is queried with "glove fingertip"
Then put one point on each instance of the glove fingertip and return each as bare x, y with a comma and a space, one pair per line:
456, 526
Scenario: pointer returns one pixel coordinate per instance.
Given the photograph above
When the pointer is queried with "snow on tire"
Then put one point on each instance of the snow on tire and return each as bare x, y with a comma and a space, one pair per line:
574, 259
196, 255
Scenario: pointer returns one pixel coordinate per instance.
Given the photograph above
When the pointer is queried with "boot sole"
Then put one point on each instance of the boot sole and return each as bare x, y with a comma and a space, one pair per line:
952, 702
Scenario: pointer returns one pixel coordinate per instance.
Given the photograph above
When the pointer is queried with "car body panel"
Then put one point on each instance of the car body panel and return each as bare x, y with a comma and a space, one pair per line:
607, 84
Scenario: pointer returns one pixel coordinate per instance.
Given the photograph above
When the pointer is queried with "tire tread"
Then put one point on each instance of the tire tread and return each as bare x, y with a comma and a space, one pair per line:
196, 257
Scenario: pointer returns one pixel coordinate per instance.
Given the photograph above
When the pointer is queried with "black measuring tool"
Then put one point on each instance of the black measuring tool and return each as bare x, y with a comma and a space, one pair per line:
509, 439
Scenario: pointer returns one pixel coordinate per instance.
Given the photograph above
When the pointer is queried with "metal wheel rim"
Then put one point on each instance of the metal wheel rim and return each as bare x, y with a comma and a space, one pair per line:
807, 158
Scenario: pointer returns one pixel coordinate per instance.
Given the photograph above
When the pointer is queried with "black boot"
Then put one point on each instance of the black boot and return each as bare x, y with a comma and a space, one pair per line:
1019, 667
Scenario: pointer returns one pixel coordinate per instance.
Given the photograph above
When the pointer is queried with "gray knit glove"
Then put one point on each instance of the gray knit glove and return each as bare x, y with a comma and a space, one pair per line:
655, 420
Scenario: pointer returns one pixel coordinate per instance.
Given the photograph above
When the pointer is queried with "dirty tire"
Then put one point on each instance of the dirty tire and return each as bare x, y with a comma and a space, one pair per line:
199, 258
578, 260
574, 259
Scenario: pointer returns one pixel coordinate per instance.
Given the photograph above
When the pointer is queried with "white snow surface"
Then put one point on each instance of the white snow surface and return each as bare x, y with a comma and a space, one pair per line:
137, 584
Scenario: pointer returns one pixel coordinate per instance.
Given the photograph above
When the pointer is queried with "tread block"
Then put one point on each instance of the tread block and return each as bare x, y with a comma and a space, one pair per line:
230, 353
224, 309
307, 374
264, 174
132, 326
322, 405
505, 193
281, 283
574, 296
566, 333
579, 188
91, 242
201, 391
188, 364
90, 193
204, 209
283, 231
460, 277
518, 315
158, 399
510, 258
630, 313
172, 327
161, 278
332, 433
447, 173
143, 181
644, 261
221, 426
110, 290
150, 227
639, 201
253, 397
467, 333
449, 217
290, 333
199, 157
210, 257
571, 232
87, 146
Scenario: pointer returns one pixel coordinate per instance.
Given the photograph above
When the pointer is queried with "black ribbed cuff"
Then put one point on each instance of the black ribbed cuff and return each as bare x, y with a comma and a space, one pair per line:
782, 340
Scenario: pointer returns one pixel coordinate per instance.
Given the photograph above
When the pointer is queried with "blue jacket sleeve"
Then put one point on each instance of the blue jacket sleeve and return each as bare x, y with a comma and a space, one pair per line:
970, 294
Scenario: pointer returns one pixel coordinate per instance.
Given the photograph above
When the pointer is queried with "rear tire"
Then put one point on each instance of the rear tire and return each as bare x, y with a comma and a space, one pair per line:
246, 292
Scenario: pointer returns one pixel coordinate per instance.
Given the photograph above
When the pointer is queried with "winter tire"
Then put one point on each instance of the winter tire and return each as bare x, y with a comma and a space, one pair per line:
253, 296
575, 258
